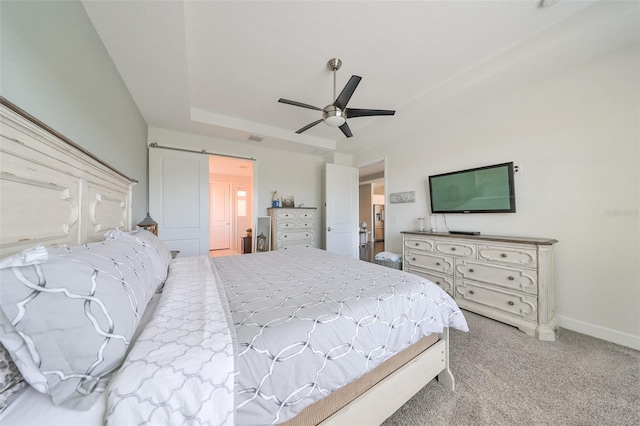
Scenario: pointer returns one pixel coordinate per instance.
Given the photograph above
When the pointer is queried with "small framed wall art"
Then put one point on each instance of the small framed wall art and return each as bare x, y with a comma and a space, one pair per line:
287, 201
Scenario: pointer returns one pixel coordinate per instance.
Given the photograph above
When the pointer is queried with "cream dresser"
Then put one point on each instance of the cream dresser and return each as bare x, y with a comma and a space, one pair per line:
292, 227
509, 279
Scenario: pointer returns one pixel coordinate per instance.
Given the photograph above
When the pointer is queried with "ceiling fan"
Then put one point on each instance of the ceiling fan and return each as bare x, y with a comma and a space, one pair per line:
336, 114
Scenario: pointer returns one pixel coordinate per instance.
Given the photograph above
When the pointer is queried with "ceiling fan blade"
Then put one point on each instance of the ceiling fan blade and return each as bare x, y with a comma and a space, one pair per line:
347, 92
308, 126
299, 104
346, 130
353, 113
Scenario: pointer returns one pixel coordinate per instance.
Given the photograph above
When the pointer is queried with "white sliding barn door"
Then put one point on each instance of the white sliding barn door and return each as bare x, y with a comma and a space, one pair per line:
341, 207
179, 199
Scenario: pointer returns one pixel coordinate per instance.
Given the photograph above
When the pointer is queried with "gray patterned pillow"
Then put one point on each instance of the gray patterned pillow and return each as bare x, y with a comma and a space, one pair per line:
11, 381
155, 248
77, 314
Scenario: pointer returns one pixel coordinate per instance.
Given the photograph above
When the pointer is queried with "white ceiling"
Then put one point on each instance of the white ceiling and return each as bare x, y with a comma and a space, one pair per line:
218, 68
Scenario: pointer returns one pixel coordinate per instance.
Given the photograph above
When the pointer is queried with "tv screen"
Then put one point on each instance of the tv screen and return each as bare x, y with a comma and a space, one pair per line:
486, 189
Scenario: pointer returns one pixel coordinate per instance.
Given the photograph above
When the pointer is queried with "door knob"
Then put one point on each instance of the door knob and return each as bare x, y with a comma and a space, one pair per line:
329, 229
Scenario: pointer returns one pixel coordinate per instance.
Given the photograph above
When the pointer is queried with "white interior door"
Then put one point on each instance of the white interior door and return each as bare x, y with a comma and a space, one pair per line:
341, 210
179, 199
219, 236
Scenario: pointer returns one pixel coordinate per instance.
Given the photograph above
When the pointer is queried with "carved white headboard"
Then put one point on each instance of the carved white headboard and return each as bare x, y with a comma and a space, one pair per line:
52, 191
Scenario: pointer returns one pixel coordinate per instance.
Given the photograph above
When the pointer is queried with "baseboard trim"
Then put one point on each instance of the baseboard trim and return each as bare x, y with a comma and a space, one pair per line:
614, 336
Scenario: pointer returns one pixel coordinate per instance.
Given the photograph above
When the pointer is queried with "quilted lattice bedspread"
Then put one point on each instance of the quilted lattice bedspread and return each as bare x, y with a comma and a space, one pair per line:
181, 370
308, 322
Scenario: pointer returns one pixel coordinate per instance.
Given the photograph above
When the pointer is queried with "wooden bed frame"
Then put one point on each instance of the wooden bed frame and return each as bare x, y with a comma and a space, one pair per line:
378, 403
53, 192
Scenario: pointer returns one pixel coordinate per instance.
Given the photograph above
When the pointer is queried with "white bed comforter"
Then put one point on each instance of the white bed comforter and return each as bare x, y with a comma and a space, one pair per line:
181, 369
307, 322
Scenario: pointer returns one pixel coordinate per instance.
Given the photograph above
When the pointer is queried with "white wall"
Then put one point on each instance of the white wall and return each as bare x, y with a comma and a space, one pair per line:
54, 66
576, 135
289, 173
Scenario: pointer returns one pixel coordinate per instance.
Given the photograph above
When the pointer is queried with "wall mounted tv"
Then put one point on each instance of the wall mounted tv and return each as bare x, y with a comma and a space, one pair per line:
486, 189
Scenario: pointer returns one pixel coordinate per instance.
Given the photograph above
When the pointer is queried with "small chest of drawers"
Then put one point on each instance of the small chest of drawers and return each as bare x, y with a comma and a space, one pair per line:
509, 279
292, 227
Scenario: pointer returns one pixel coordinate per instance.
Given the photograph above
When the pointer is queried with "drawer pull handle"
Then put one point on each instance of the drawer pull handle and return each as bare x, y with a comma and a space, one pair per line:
437, 263
511, 278
413, 258
471, 270
453, 249
417, 244
471, 292
511, 302
285, 236
438, 282
503, 255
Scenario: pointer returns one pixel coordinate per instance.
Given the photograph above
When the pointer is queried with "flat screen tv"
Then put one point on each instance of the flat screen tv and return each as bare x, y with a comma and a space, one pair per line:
486, 189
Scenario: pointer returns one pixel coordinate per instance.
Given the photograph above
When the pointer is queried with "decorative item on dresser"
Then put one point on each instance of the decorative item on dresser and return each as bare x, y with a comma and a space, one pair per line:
292, 227
509, 279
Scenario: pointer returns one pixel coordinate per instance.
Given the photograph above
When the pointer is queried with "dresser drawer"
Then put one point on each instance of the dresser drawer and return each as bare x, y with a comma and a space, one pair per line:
286, 214
306, 215
444, 282
418, 244
431, 262
282, 225
455, 248
304, 225
512, 255
295, 245
295, 236
516, 304
504, 276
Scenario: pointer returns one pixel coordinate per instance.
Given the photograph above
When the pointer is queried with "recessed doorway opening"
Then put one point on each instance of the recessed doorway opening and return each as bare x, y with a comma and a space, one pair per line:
230, 206
372, 210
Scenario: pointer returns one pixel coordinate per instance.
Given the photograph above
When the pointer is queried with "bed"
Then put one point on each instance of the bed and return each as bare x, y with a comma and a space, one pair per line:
200, 341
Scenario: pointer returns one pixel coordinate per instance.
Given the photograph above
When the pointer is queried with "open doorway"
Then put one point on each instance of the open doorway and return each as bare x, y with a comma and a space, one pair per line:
372, 210
231, 206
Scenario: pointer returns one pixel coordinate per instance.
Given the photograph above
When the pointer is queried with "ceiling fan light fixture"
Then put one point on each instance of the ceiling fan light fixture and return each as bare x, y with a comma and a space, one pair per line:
333, 116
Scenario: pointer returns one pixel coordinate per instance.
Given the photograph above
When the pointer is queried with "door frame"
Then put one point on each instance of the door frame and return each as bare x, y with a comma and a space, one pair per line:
382, 160
235, 234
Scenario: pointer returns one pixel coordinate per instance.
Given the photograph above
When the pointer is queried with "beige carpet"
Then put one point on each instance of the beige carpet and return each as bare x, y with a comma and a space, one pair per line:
504, 377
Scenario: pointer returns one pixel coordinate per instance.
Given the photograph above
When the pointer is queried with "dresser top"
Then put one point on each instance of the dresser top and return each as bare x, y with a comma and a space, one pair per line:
499, 238
291, 208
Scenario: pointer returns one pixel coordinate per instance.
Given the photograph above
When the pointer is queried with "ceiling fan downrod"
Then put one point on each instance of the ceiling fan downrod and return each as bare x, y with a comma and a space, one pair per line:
331, 114
334, 65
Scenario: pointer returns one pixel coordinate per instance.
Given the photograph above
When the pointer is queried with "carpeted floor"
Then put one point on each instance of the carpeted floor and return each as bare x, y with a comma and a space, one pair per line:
504, 377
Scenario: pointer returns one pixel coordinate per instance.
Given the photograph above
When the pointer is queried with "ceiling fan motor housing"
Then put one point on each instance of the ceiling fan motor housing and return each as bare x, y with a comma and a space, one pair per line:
333, 116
